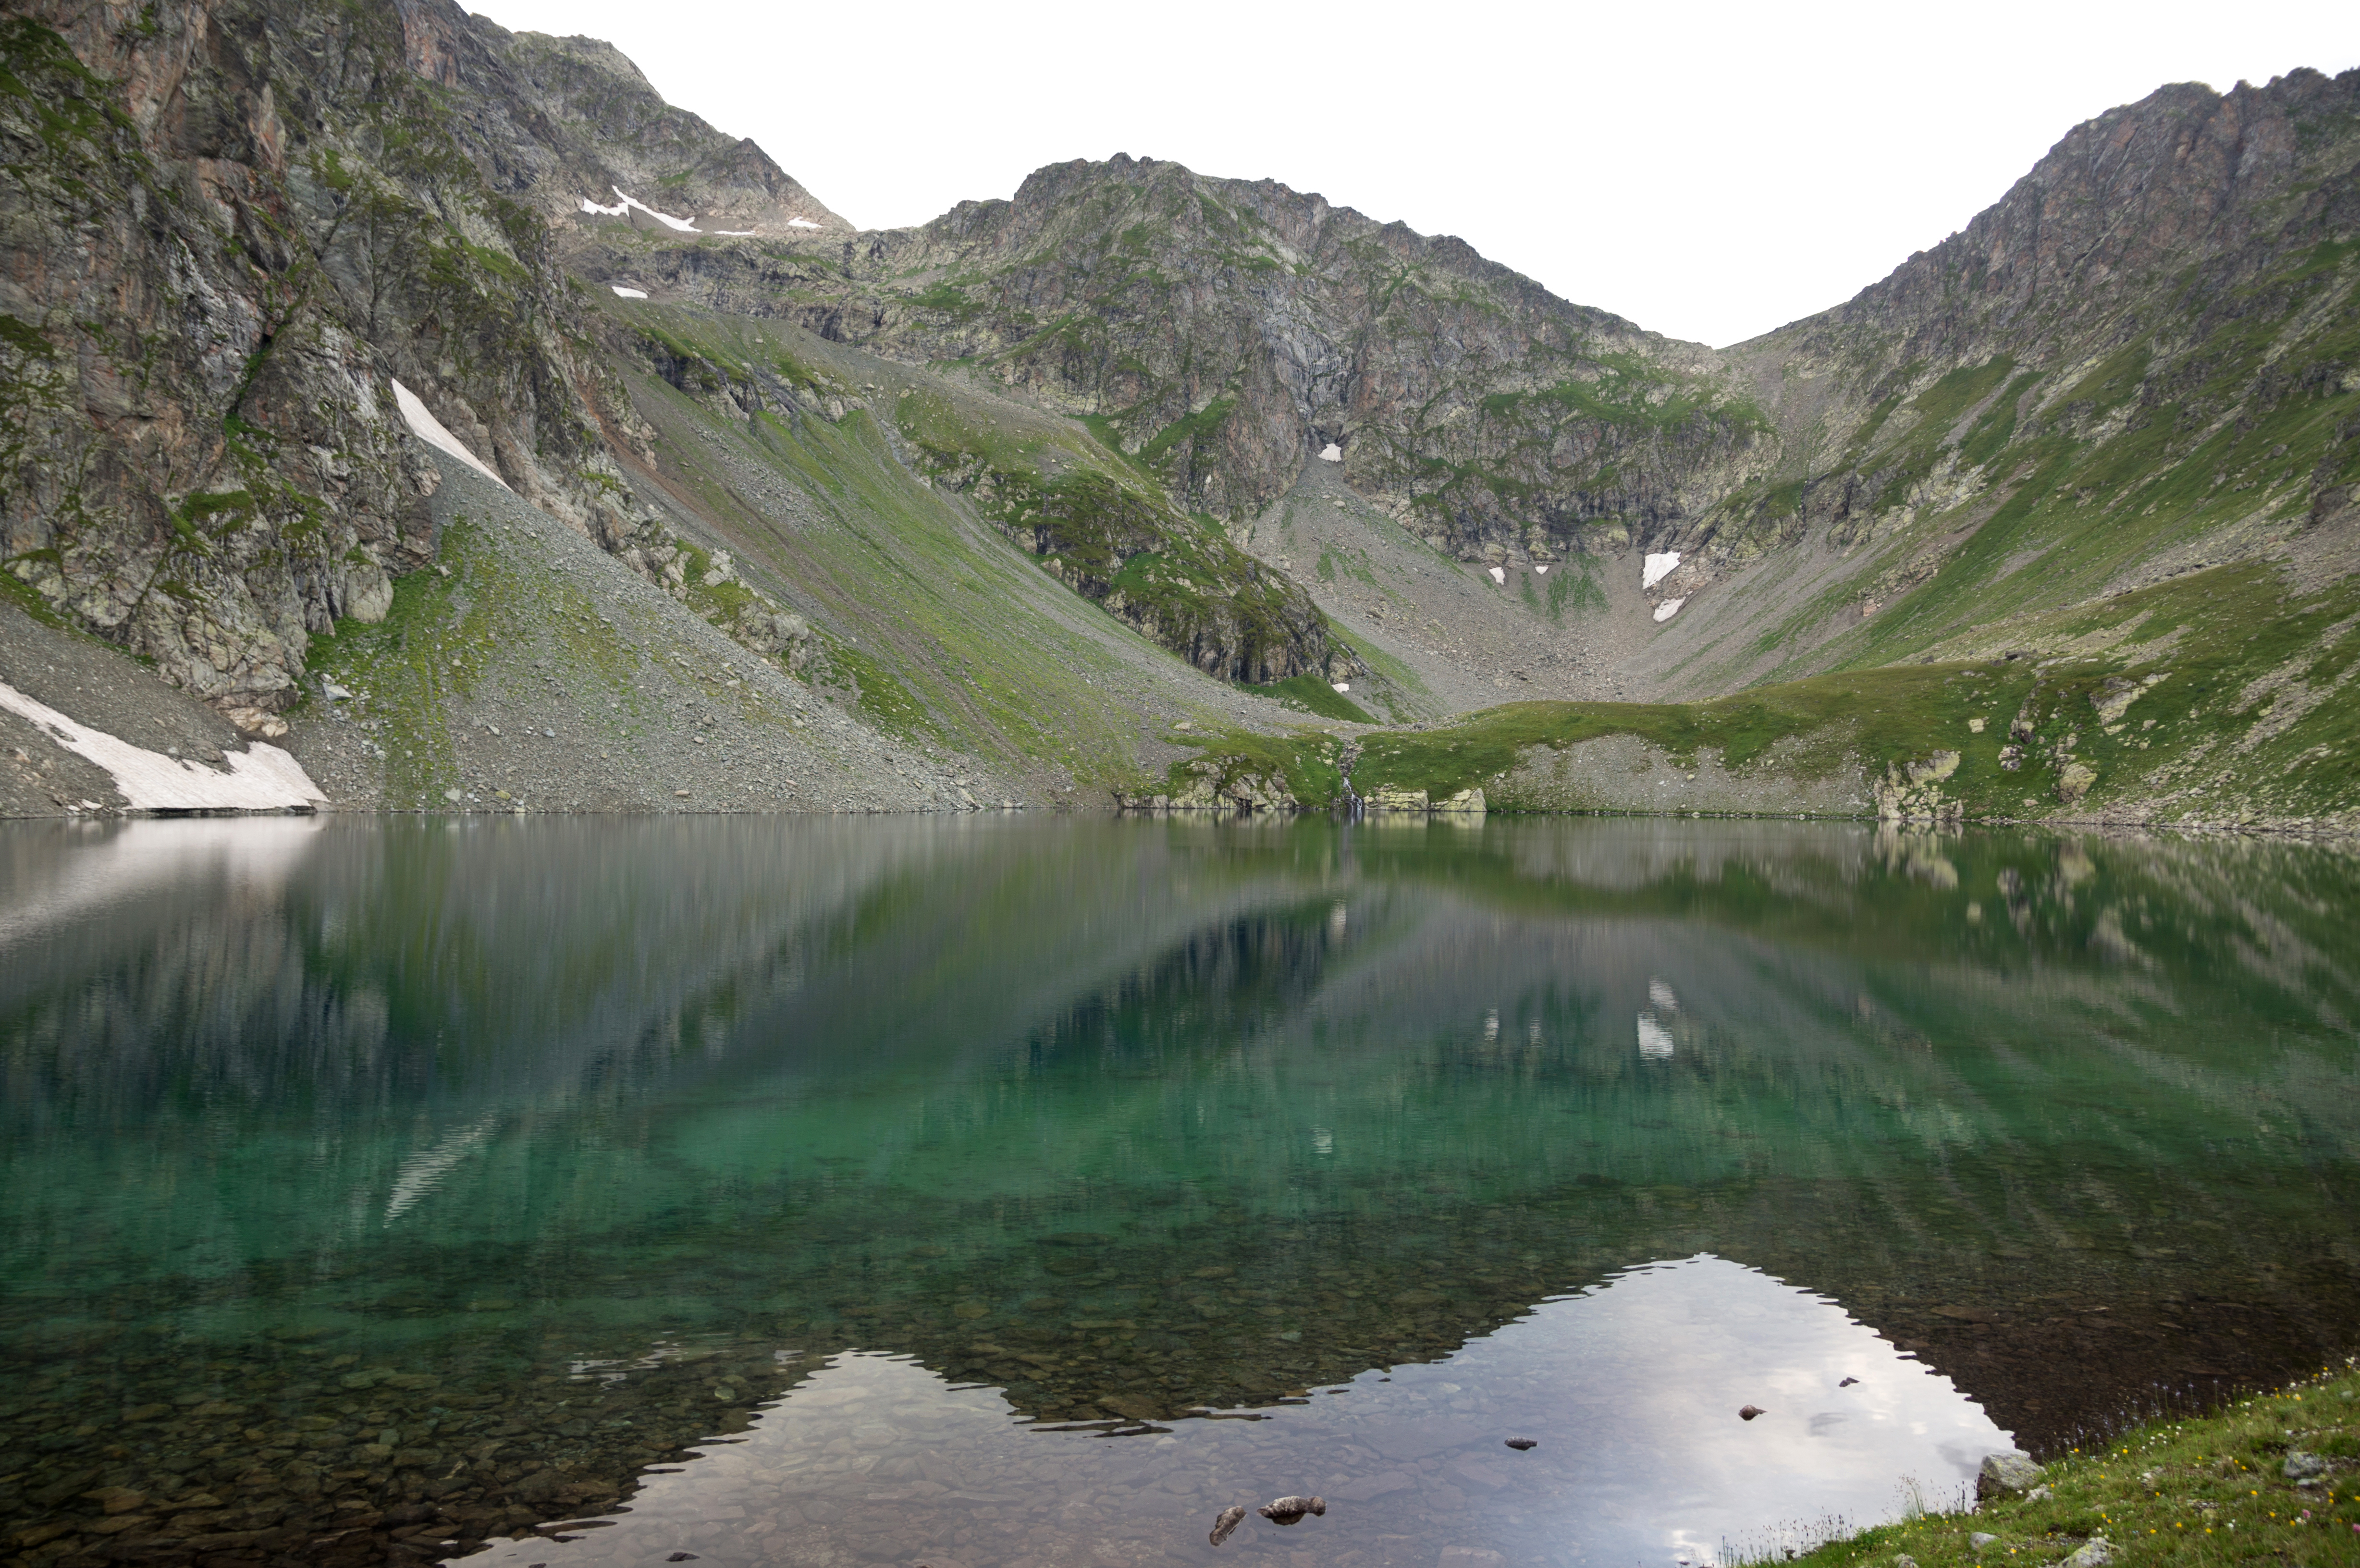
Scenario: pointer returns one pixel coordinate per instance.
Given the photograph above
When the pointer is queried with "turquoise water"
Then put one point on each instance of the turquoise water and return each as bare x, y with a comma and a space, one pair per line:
1006, 1190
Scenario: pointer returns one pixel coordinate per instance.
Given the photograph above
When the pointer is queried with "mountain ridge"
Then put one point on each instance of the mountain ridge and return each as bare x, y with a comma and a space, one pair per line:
1135, 379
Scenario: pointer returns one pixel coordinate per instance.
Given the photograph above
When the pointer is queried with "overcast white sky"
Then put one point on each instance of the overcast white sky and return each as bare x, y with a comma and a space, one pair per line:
1709, 170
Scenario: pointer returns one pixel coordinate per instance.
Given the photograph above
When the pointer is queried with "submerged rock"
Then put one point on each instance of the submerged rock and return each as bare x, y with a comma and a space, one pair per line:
1291, 1510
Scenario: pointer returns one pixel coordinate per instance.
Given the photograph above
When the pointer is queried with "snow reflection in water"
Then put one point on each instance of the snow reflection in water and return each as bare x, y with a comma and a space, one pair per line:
1632, 1390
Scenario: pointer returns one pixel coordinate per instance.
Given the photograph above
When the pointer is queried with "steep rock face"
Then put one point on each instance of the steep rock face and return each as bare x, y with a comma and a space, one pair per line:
574, 121
1226, 332
235, 225
2229, 183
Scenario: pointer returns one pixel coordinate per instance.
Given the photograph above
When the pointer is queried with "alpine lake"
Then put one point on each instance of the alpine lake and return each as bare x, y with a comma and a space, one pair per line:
1011, 1193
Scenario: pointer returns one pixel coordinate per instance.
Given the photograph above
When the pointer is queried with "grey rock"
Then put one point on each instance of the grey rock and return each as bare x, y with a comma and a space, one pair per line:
1981, 1539
2007, 1474
2095, 1553
2300, 1465
1227, 1523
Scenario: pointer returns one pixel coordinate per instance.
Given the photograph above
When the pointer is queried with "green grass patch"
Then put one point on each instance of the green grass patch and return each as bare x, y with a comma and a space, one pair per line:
1188, 429
26, 597
1865, 719
1315, 695
887, 703
1307, 763
2205, 1492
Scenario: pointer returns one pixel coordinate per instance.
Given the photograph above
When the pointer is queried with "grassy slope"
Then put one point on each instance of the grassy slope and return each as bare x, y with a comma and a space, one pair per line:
2201, 1492
2001, 492
1107, 528
946, 629
439, 641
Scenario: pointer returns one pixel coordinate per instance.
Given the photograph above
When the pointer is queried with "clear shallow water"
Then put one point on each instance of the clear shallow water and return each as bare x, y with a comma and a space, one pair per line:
440, 1178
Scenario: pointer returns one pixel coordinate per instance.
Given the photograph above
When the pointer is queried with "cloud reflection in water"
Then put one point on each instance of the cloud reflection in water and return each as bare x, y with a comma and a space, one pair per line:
1631, 1389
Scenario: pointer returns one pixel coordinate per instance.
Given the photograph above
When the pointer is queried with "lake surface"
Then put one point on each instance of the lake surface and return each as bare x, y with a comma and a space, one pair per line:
998, 1191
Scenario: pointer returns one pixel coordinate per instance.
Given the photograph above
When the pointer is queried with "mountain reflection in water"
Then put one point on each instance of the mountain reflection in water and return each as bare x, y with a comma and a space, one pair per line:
363, 1178
1630, 1392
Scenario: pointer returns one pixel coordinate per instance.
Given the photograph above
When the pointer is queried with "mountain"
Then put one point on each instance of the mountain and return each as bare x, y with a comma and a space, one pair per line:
1024, 487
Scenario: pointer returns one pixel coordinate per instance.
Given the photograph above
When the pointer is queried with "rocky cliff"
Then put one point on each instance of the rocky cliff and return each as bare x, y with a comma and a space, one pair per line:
229, 229
1227, 334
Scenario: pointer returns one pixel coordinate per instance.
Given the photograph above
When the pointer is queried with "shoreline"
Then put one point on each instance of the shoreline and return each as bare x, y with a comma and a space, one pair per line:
2273, 1475
2111, 826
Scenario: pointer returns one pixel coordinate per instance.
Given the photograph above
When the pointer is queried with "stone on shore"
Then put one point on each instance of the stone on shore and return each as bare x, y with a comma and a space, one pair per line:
2007, 1475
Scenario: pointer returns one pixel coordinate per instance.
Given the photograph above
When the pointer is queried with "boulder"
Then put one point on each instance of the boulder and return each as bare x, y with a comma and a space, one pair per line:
2009, 1475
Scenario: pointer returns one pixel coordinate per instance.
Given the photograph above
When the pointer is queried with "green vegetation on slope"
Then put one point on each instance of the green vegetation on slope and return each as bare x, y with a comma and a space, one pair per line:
2006, 500
2207, 698
1316, 696
440, 641
945, 631
1868, 718
1109, 532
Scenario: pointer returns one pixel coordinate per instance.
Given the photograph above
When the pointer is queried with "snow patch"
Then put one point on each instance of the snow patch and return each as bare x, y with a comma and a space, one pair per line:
623, 293
1498, 575
735, 233
1658, 567
1667, 609
1540, 572
261, 778
1341, 686
800, 223
1655, 1040
428, 429
1331, 452
625, 202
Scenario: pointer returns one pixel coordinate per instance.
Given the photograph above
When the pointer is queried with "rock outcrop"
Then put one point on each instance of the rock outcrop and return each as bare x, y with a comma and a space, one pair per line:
230, 228
1227, 332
